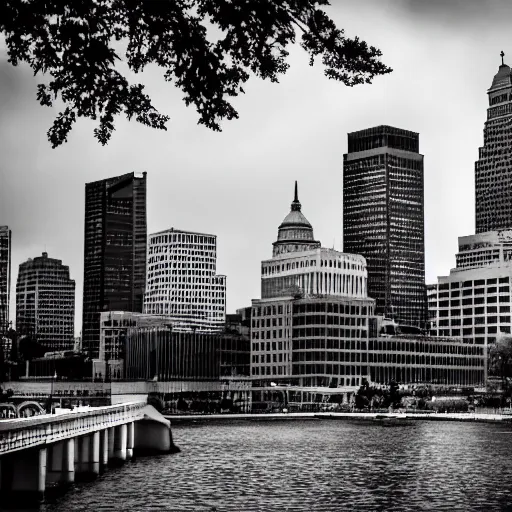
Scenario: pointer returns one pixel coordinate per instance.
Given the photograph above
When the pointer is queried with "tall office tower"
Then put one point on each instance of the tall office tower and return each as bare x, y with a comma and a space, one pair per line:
114, 251
45, 303
5, 277
493, 170
182, 282
383, 218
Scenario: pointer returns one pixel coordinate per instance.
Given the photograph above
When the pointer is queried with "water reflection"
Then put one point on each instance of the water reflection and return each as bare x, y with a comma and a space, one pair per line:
313, 466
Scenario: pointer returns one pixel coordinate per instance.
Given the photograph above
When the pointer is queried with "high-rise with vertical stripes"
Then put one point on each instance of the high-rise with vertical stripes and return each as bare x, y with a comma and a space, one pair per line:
114, 251
5, 277
383, 218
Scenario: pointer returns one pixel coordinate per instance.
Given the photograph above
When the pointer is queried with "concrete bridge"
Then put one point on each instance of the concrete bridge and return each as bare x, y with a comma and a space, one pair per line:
49, 450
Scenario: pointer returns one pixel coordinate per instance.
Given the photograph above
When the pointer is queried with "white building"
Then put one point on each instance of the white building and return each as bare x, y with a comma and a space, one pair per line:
474, 301
182, 282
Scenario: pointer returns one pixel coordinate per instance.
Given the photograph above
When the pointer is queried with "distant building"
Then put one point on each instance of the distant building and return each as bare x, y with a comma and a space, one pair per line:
114, 251
310, 327
493, 192
45, 302
182, 282
164, 355
383, 218
5, 277
474, 301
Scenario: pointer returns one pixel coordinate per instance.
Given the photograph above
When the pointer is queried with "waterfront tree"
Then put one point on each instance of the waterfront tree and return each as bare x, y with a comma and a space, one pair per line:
500, 361
207, 48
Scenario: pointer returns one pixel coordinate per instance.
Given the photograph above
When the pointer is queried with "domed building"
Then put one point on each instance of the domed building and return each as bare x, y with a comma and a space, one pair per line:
295, 234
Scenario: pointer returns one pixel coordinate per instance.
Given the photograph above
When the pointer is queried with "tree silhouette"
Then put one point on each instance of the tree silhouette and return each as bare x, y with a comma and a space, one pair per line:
208, 48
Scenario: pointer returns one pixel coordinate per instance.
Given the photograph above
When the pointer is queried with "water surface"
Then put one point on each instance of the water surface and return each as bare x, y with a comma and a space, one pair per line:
312, 465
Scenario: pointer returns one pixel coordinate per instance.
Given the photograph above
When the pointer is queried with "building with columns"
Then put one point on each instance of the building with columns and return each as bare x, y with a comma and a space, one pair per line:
310, 328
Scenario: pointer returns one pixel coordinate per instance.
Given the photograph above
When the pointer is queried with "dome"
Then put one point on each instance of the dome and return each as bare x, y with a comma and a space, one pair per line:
502, 78
295, 232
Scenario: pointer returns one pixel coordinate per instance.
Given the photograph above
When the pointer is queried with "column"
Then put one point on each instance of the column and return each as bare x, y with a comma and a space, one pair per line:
104, 445
121, 438
130, 440
111, 439
94, 466
41, 483
68, 465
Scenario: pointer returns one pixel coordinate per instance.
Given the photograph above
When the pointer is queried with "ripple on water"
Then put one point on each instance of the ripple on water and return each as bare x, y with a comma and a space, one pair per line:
312, 466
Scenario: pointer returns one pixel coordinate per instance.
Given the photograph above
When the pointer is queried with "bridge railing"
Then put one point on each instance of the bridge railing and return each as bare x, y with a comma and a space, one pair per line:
21, 433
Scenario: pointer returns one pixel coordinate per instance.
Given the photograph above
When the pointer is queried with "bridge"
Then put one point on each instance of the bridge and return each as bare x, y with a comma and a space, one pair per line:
51, 450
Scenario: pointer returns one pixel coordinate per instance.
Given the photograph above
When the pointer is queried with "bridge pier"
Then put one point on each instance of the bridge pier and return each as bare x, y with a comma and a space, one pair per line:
130, 440
87, 459
61, 462
104, 444
23, 476
120, 442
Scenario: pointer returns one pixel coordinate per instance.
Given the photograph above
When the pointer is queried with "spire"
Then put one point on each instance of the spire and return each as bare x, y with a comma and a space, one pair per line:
296, 204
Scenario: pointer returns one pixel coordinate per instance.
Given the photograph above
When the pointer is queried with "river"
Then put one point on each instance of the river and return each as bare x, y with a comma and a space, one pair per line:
312, 465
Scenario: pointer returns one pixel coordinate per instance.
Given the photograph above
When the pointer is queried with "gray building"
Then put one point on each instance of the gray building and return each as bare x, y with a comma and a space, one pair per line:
383, 219
114, 251
5, 277
45, 303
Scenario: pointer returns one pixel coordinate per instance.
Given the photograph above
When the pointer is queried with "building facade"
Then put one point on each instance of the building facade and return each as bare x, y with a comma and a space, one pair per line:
182, 282
312, 323
493, 170
474, 301
45, 303
5, 277
114, 251
383, 218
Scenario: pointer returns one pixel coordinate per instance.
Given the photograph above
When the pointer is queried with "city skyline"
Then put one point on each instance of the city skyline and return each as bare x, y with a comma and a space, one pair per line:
237, 180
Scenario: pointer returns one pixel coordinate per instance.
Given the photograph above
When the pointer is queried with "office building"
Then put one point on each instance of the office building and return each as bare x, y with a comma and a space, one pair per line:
5, 277
114, 251
493, 170
45, 303
383, 219
310, 327
474, 300
182, 282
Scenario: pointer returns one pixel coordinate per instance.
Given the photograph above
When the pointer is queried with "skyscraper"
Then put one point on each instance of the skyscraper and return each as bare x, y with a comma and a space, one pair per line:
493, 170
182, 281
5, 277
383, 218
45, 303
114, 251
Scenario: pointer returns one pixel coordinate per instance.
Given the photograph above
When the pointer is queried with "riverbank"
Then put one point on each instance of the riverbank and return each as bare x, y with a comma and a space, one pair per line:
471, 417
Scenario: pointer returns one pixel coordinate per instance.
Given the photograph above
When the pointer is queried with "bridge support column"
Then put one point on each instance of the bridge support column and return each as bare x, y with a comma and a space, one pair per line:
23, 477
111, 439
95, 453
120, 441
130, 439
104, 443
87, 464
61, 462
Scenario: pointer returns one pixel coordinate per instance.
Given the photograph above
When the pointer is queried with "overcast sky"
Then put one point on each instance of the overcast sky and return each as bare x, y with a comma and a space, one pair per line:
238, 184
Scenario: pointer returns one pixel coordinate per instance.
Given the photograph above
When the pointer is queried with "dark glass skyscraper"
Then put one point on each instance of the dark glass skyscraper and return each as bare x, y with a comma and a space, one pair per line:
493, 170
114, 251
45, 303
383, 218
5, 277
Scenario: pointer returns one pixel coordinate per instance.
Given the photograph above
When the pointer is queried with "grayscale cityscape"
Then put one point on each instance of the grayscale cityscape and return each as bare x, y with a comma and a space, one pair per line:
283, 296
